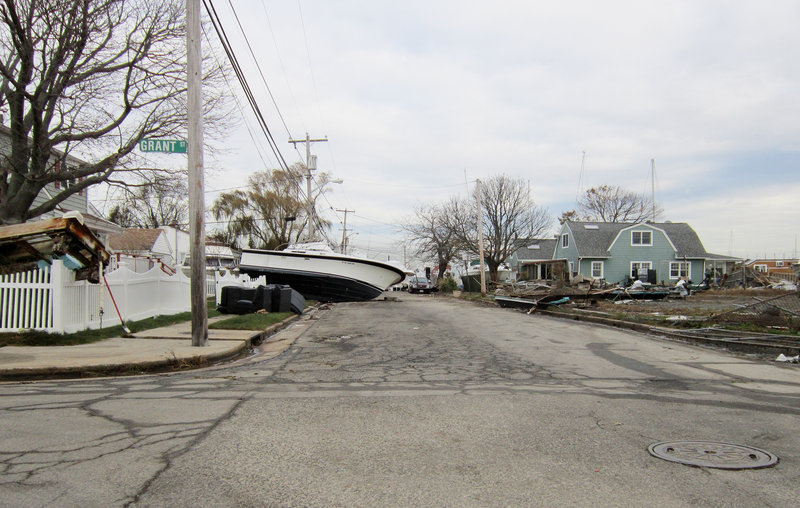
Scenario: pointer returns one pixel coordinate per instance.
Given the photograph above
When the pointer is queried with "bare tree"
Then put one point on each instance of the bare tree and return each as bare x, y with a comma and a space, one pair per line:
510, 220
613, 204
88, 78
271, 212
433, 234
160, 202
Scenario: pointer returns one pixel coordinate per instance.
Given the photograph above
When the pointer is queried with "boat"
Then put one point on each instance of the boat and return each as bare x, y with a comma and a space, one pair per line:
528, 303
639, 294
318, 273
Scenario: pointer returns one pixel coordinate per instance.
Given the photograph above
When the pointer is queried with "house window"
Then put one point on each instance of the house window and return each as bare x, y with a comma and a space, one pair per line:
760, 268
778, 263
640, 265
571, 267
678, 269
644, 238
565, 240
597, 269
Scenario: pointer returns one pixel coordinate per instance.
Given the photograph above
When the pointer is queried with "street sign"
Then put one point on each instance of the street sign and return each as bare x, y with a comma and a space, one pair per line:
162, 145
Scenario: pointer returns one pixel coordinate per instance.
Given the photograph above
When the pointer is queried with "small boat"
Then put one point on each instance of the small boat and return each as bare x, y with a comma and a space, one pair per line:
639, 294
527, 303
318, 273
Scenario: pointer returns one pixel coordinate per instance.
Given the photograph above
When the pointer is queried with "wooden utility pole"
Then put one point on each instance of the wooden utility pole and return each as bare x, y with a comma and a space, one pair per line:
310, 166
344, 229
197, 232
479, 196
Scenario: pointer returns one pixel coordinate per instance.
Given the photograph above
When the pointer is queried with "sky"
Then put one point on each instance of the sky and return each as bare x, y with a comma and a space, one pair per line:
420, 99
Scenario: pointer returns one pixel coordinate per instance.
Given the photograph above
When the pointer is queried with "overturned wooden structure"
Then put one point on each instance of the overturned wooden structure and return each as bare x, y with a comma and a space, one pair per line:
25, 246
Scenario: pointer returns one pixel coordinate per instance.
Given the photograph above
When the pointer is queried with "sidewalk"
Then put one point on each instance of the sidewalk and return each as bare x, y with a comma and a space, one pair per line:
160, 349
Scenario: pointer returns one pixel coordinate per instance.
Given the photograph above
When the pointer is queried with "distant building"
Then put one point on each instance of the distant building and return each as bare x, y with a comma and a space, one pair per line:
140, 249
773, 266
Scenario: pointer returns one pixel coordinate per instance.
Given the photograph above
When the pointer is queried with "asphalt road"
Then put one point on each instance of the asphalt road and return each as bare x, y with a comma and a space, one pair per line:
420, 402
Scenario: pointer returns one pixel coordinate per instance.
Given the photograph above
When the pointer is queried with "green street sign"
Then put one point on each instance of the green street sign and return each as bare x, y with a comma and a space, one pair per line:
162, 145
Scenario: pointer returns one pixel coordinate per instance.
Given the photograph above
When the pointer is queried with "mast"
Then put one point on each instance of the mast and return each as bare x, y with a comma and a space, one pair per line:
653, 185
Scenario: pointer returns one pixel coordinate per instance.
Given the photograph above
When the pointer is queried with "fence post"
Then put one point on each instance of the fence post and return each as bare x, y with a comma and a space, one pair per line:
57, 299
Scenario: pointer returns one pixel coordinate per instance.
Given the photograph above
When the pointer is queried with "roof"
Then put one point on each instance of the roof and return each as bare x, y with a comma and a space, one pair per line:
537, 249
134, 239
596, 239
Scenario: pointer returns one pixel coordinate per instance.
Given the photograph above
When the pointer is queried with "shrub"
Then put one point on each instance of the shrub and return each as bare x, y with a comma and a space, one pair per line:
447, 285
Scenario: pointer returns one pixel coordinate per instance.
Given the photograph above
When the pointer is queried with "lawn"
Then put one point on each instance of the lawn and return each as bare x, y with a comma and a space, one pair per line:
38, 338
251, 321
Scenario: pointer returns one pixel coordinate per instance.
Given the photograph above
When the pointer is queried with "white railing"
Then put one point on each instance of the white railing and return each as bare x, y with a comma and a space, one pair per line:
230, 279
50, 299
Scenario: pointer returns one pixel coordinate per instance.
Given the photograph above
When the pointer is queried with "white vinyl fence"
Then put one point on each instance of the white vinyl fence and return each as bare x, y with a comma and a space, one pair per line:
50, 299
216, 282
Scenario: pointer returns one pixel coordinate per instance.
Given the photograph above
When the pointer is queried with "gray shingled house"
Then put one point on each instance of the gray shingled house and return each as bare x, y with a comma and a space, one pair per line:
654, 252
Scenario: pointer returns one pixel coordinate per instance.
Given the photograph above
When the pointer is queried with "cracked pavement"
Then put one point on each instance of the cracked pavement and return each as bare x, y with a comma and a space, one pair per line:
420, 402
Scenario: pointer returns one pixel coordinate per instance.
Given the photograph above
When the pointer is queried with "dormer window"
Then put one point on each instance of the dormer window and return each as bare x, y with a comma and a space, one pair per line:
642, 238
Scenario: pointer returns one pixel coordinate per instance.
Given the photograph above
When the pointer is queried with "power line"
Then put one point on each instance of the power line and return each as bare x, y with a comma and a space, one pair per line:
217, 24
258, 66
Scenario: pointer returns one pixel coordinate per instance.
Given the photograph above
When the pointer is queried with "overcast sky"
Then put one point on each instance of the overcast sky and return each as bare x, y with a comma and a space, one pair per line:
417, 98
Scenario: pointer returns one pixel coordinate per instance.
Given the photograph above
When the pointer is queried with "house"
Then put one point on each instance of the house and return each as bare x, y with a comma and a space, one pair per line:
535, 261
179, 243
140, 249
773, 266
661, 252
78, 202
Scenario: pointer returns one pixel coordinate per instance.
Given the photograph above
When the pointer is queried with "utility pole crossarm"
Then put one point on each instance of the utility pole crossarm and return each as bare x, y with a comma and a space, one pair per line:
309, 201
344, 229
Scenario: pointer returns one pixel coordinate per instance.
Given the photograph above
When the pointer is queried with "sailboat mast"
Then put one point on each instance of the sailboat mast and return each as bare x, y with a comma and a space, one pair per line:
653, 185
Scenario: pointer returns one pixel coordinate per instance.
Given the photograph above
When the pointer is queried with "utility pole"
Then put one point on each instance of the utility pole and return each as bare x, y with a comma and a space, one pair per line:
344, 228
479, 195
311, 164
197, 232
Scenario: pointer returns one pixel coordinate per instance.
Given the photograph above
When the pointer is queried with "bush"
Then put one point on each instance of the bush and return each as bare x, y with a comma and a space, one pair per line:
447, 285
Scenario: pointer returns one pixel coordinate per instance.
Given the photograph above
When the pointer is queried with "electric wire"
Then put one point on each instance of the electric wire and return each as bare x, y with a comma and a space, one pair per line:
217, 24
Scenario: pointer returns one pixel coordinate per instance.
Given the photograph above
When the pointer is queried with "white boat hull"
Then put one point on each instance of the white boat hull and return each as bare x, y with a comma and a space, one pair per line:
326, 277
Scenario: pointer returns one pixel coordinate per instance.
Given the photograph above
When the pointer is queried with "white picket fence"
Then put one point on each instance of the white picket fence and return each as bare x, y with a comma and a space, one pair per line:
50, 299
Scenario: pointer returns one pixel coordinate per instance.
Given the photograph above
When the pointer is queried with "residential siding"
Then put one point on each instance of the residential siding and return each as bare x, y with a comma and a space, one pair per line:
622, 253
74, 202
571, 252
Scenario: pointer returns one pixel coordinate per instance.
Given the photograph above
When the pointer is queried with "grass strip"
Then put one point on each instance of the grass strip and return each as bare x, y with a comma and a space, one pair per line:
40, 338
250, 321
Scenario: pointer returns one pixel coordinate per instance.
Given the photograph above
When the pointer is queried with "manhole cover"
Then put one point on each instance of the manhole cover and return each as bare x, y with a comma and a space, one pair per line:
711, 454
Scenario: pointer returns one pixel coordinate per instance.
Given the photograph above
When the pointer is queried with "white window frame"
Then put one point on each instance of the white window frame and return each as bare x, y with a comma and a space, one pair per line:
571, 267
761, 268
601, 265
565, 241
642, 232
778, 263
641, 264
679, 264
